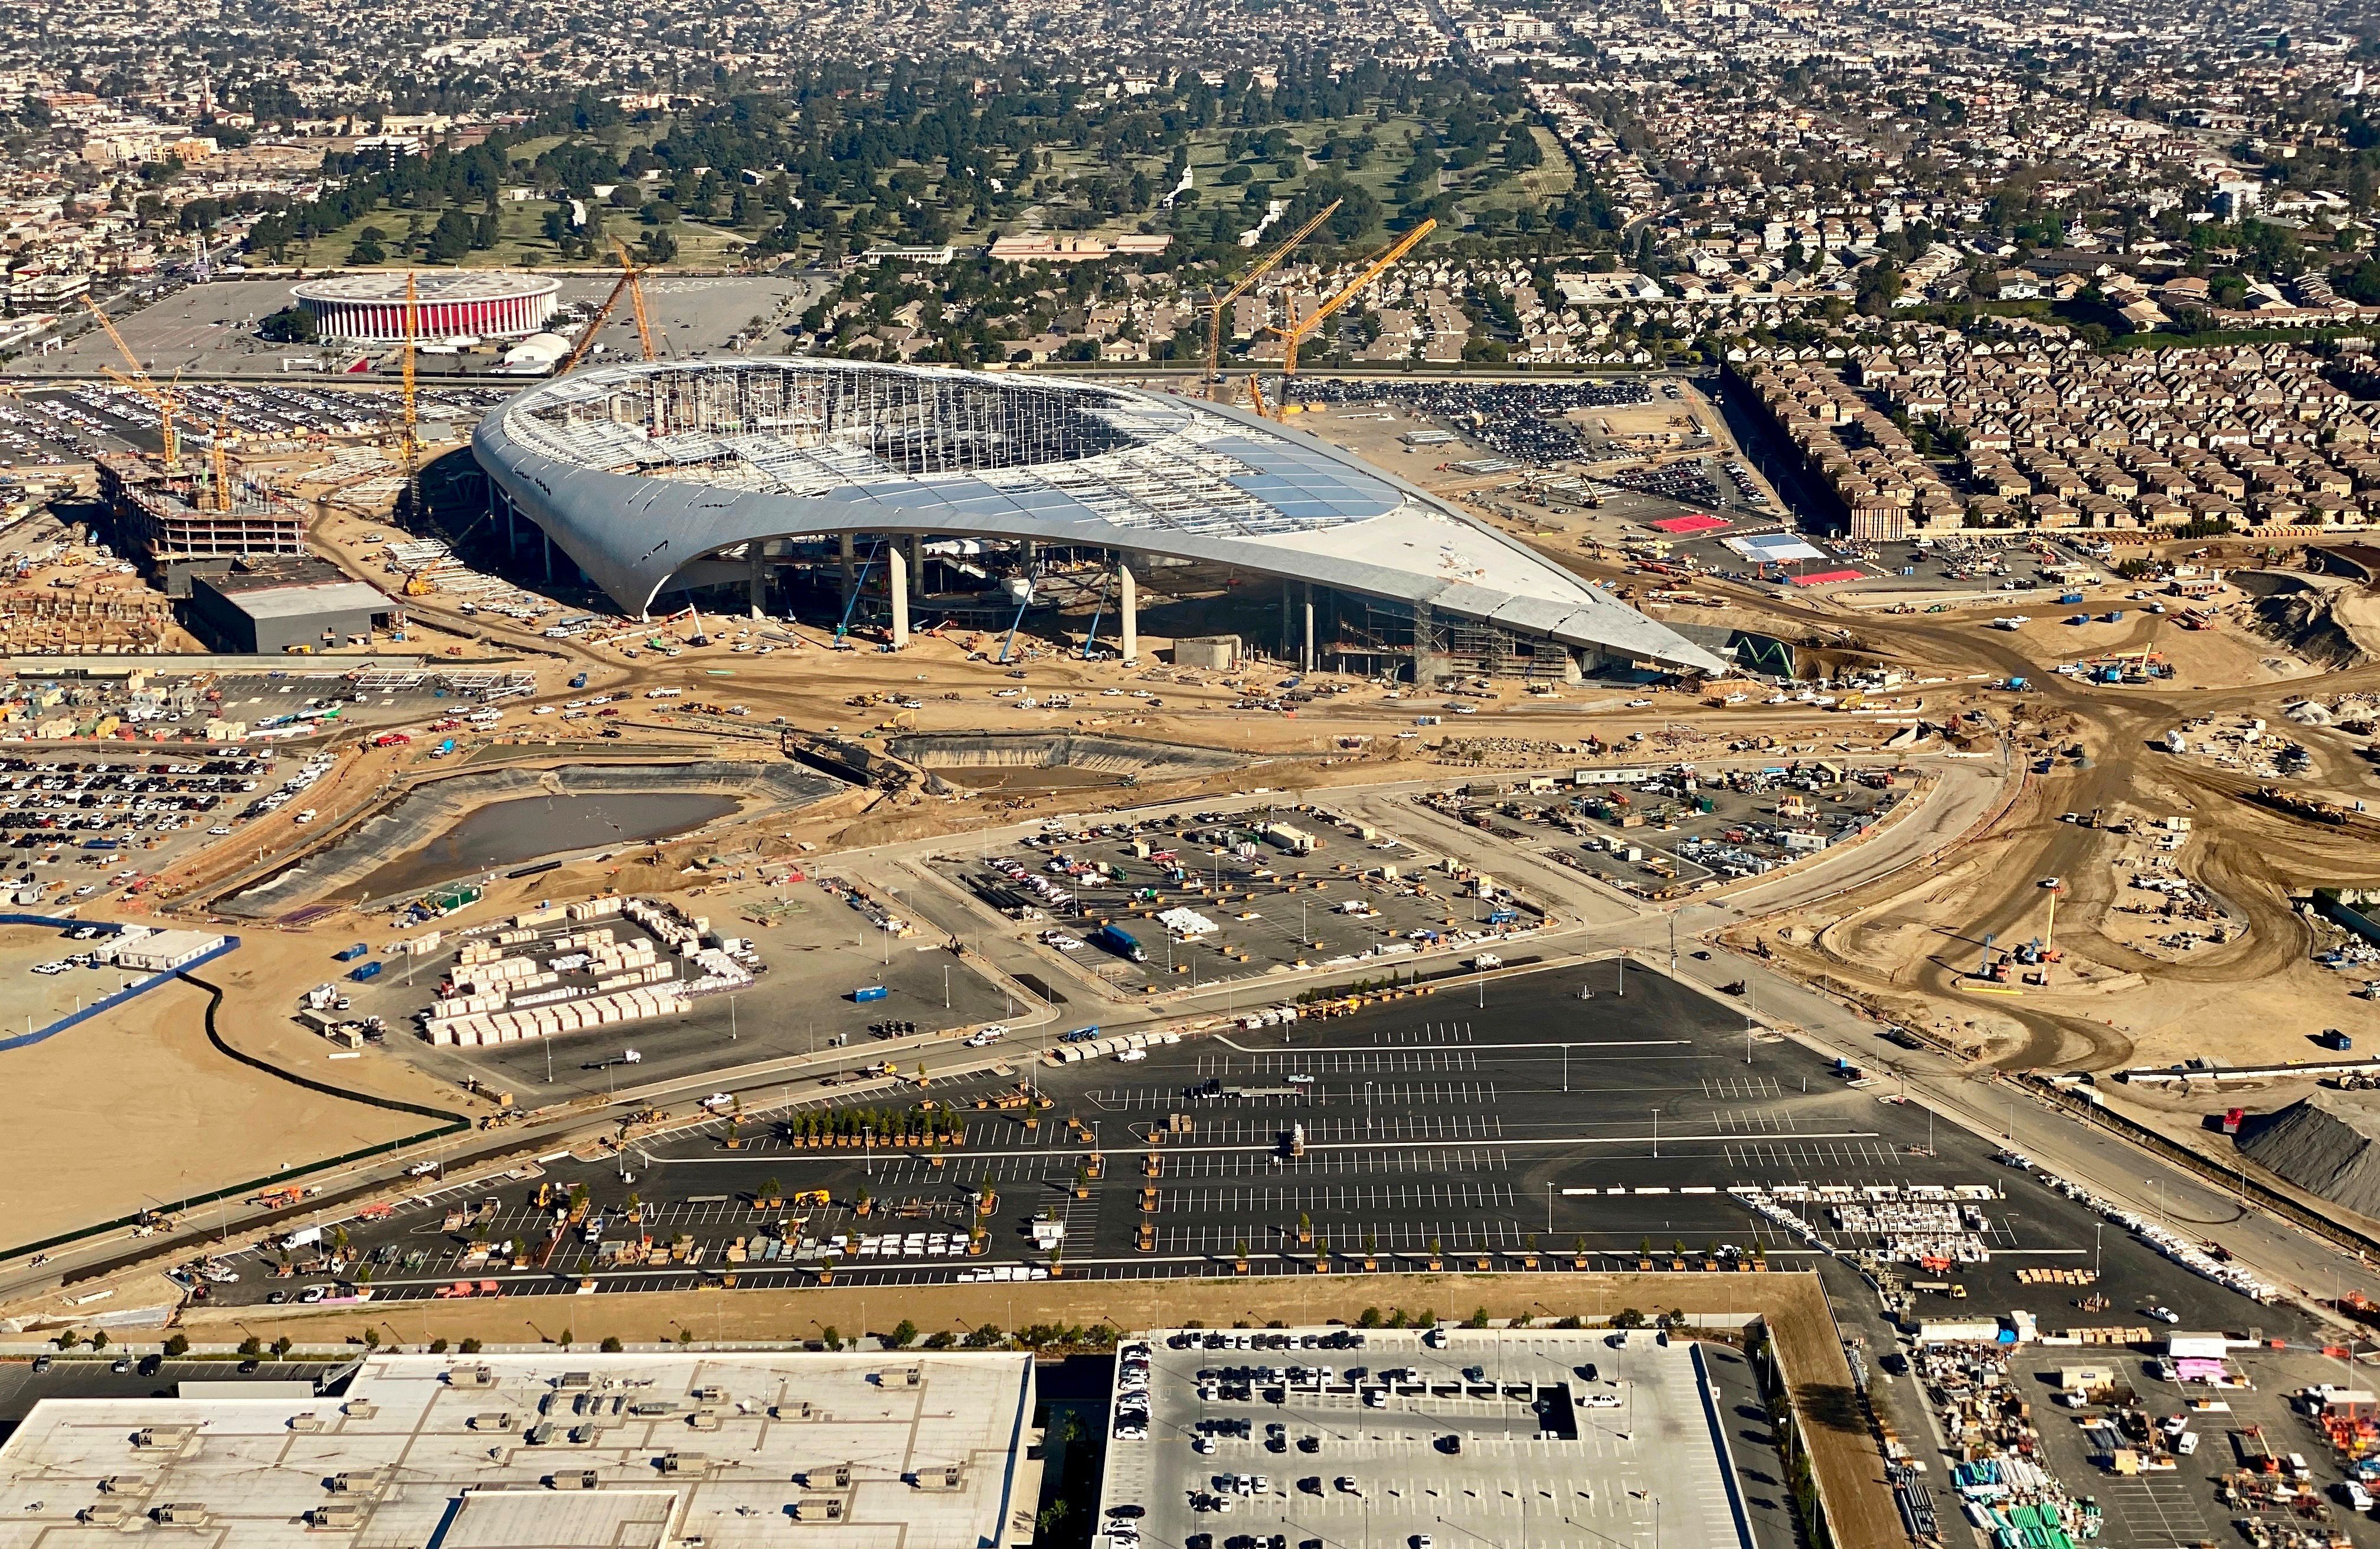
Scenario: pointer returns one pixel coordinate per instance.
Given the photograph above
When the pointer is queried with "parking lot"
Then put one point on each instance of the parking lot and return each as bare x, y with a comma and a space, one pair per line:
818, 951
1536, 1129
2158, 1462
210, 329
76, 826
1520, 424
1673, 829
1177, 904
1406, 1439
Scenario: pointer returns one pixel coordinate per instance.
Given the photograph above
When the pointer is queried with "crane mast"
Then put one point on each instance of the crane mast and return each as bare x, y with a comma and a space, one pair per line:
1263, 266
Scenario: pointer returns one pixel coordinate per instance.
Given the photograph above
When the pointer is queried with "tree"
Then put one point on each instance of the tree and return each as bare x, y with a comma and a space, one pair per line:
1478, 1318
289, 325
611, 1345
905, 1333
99, 1339
564, 1339
251, 1346
178, 1344
470, 1346
282, 1346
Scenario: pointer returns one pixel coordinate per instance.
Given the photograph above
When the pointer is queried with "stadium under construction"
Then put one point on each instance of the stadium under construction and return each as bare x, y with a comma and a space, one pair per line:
905, 497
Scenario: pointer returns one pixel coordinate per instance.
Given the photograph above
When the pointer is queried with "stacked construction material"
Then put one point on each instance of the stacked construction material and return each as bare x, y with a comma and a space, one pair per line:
547, 1022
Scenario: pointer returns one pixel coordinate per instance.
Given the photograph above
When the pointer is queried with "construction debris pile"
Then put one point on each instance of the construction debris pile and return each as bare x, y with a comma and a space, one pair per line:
1998, 1476
2274, 1507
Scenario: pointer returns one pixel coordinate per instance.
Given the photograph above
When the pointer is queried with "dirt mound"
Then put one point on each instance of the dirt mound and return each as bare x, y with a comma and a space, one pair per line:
2308, 623
2327, 1144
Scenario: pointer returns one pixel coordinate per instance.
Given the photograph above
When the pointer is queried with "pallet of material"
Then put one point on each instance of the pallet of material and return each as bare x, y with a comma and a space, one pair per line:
2056, 1277
2113, 1335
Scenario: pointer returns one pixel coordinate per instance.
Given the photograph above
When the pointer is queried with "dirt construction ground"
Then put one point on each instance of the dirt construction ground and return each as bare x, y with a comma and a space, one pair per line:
135, 1108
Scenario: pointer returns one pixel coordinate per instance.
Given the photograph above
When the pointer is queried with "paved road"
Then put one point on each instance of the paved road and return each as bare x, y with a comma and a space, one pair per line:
1967, 791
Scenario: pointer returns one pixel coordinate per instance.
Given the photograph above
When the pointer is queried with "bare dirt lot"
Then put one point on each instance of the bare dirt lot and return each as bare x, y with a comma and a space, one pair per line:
135, 1108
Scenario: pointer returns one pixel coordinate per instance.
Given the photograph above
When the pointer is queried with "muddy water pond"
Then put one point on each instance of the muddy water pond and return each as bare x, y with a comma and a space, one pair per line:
531, 828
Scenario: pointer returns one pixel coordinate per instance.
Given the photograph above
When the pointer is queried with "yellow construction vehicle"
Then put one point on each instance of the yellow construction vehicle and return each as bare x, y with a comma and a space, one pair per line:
1263, 266
1300, 328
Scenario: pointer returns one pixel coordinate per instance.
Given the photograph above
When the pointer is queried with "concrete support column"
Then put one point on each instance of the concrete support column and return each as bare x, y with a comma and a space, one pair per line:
1288, 613
844, 548
1128, 611
512, 534
756, 581
1306, 658
896, 578
548, 542
916, 544
1424, 659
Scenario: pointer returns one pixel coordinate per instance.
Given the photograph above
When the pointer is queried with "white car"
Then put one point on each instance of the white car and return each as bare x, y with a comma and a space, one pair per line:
2165, 1315
1600, 1401
1128, 1057
1638, 704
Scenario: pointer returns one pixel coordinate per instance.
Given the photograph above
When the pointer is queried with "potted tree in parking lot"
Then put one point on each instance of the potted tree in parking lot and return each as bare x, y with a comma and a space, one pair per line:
1083, 1181
1578, 1253
1304, 1228
1677, 1252
772, 1195
1371, 1252
1240, 1257
1529, 1255
1435, 1261
1323, 1256
1644, 1252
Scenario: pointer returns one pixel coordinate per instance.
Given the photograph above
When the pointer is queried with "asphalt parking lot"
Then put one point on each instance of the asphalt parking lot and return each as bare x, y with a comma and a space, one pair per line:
1520, 421
1491, 1124
1546, 1438
210, 329
816, 951
1654, 837
1249, 904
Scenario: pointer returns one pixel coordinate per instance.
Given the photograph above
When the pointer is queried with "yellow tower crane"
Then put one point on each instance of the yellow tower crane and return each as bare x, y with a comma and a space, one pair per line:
168, 404
626, 284
635, 277
1263, 266
219, 460
408, 436
1300, 328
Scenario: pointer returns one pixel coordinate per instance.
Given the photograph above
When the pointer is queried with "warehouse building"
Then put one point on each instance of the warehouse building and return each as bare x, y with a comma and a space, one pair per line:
275, 608
562, 1450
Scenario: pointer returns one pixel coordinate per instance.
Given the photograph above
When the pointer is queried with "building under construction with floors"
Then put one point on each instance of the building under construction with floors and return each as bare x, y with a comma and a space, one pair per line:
158, 517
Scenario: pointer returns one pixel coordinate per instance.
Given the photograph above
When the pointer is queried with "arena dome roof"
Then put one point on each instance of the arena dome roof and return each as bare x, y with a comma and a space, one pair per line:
636, 469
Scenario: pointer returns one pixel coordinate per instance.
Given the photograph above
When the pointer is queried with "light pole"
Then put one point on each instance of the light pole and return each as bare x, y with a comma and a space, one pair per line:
1656, 1132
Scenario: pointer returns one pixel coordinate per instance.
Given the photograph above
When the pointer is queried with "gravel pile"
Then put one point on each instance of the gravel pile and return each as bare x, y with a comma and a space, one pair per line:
2328, 1144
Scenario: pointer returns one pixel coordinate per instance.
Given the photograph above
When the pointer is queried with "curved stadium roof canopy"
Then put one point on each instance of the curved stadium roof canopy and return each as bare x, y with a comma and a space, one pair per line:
636, 471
